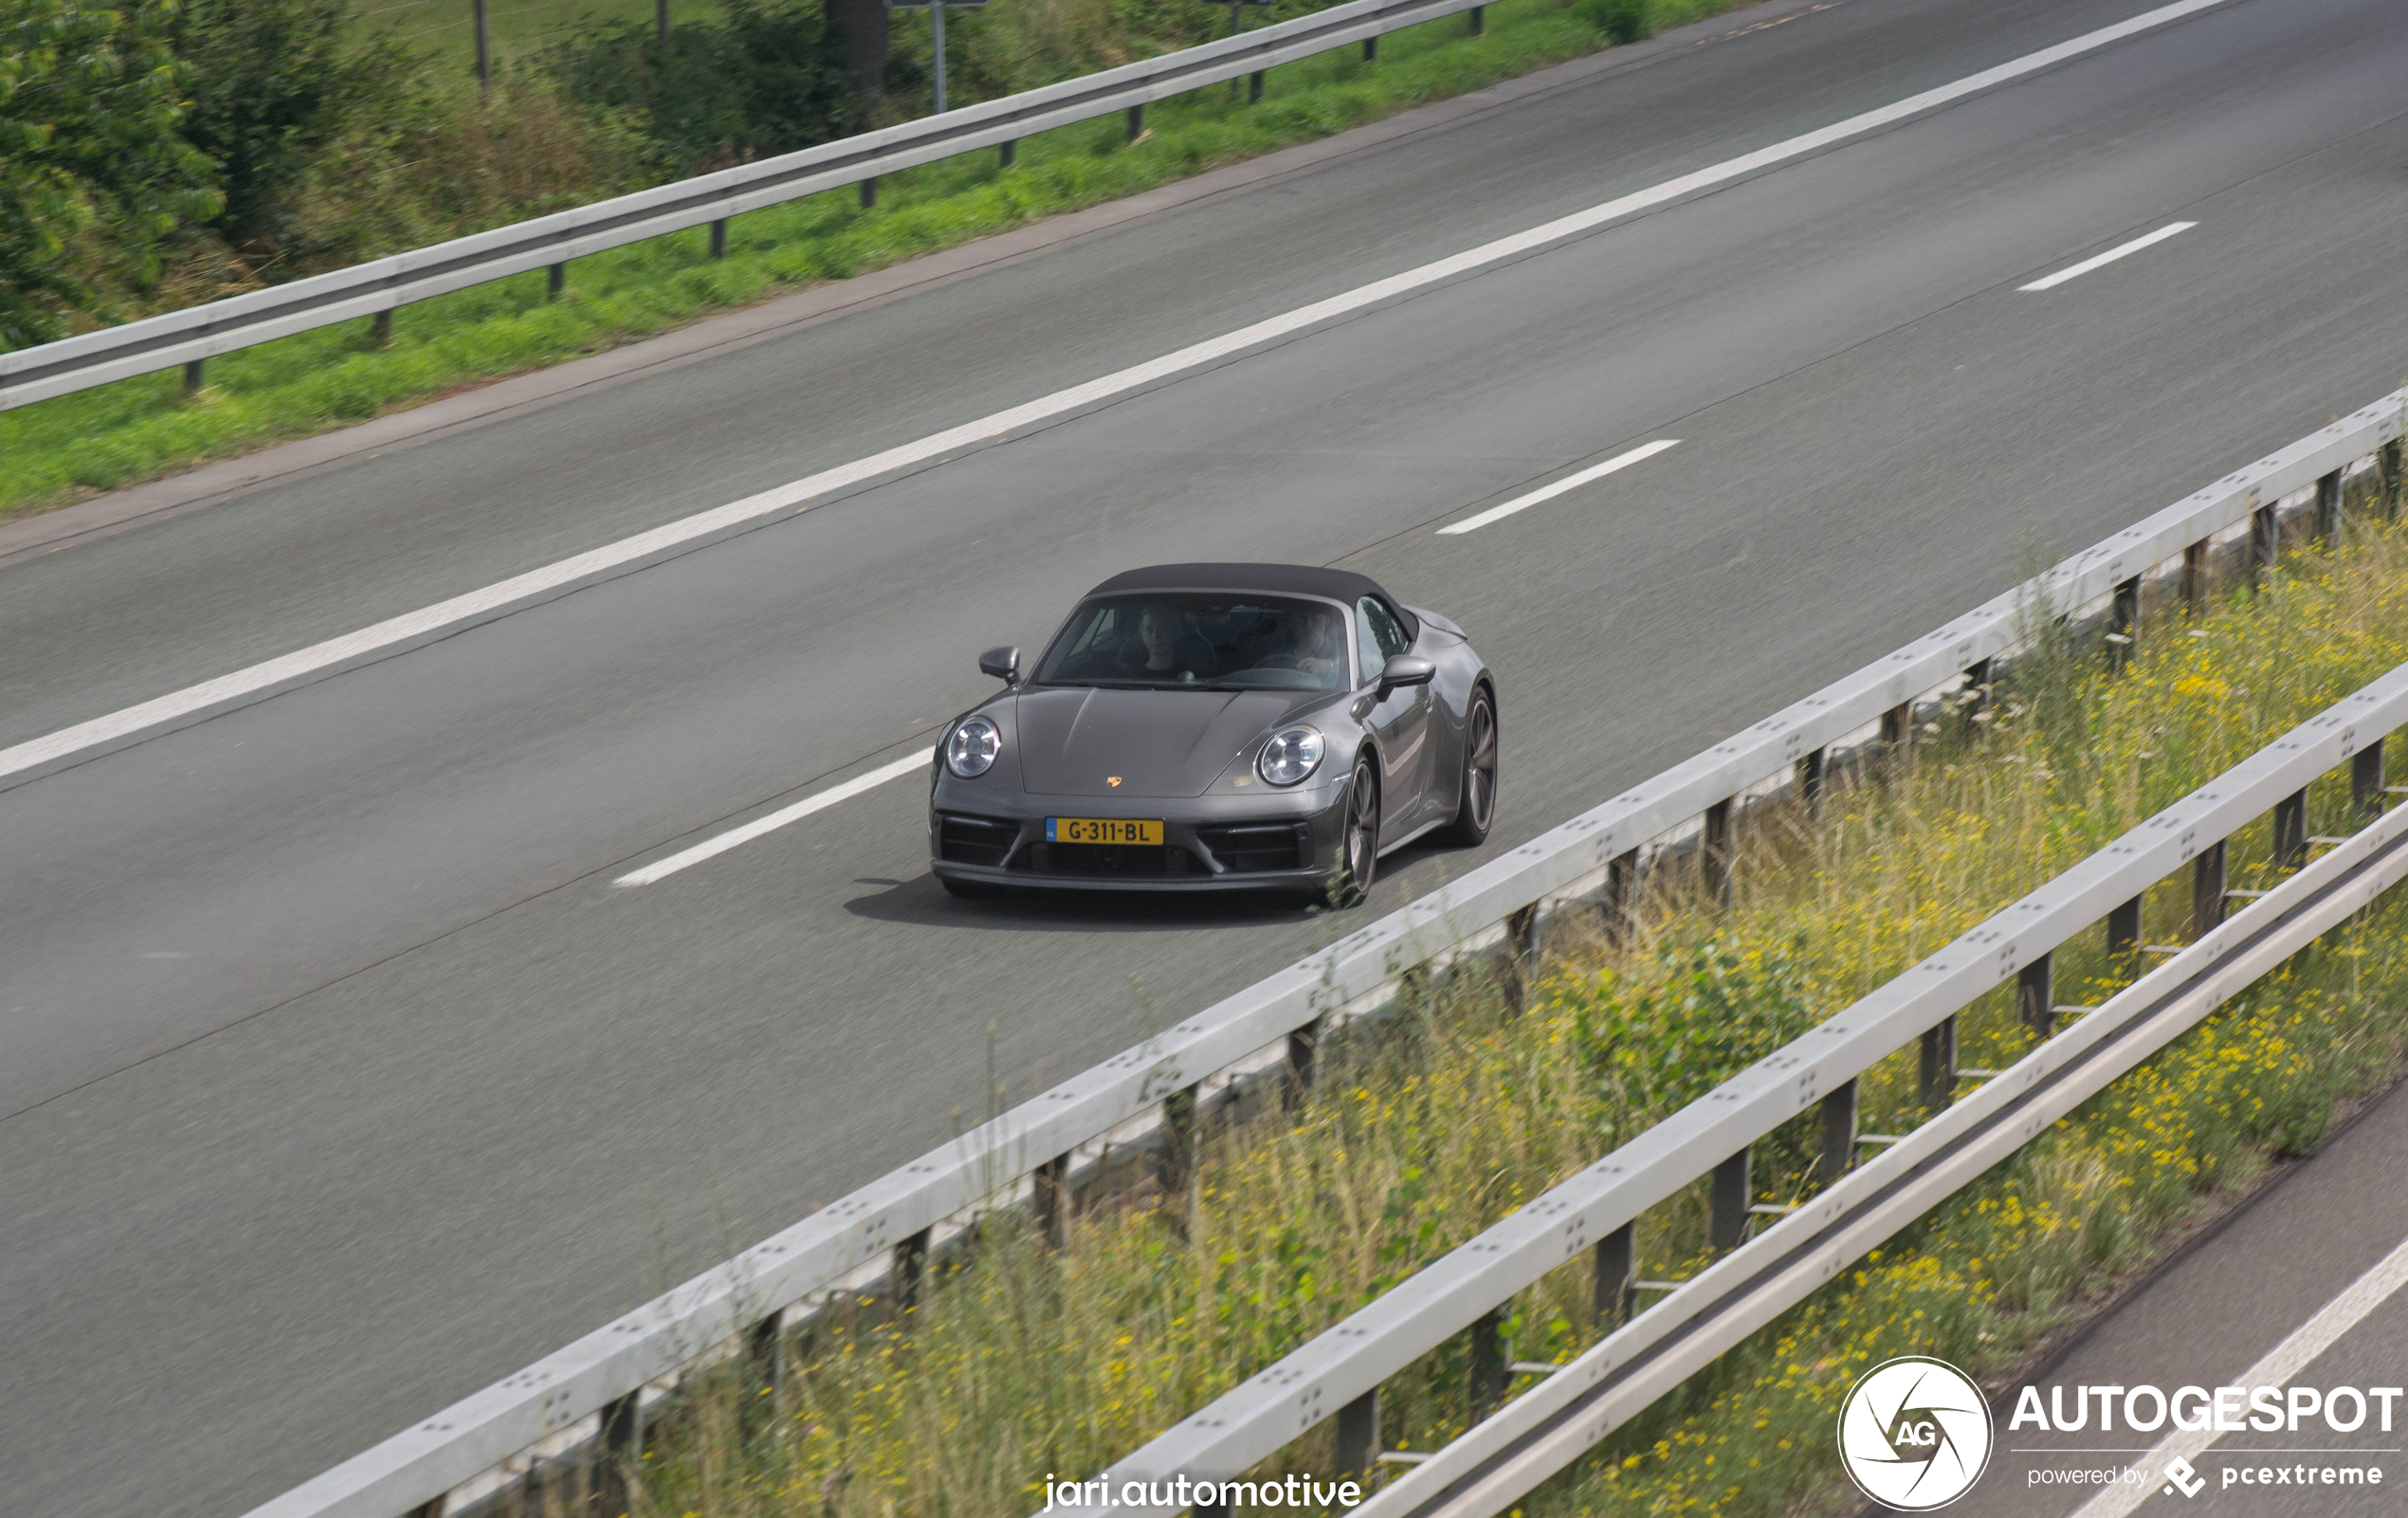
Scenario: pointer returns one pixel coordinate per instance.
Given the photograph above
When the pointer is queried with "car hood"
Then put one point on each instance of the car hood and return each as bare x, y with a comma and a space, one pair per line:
1158, 743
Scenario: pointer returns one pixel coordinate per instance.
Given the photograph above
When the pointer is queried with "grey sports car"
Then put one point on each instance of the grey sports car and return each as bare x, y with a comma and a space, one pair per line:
1218, 726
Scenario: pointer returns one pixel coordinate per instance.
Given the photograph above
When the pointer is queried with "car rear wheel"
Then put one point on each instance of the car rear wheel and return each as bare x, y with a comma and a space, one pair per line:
1362, 842
1476, 805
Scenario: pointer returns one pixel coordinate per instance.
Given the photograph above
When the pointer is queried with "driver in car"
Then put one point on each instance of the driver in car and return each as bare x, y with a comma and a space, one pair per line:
1312, 643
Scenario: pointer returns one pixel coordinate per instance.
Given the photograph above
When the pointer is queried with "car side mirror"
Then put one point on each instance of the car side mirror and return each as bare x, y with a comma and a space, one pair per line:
1004, 664
1406, 669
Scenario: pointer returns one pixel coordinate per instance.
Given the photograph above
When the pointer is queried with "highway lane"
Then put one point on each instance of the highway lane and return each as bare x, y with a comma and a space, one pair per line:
129, 617
2217, 1310
492, 1100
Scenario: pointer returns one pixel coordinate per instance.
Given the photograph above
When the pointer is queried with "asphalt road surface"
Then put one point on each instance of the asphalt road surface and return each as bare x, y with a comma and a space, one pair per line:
2214, 1312
340, 1079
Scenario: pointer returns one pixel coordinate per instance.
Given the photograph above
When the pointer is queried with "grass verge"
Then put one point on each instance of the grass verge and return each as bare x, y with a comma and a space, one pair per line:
1027, 1360
58, 451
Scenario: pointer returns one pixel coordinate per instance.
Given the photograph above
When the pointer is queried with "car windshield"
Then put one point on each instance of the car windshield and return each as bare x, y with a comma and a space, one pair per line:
1187, 638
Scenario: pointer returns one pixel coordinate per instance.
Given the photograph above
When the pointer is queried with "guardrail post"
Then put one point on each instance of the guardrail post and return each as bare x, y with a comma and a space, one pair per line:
1733, 1193
1522, 956
2124, 929
2328, 506
1898, 730
2290, 831
2124, 621
1049, 1198
1303, 1054
1180, 1124
193, 370
1136, 121
2036, 996
431, 1507
910, 1269
2195, 579
2391, 479
1371, 50
765, 1358
1358, 1434
719, 238
1936, 1069
1714, 851
1480, 21
1620, 902
380, 329
2367, 779
1488, 1359
1839, 1133
2265, 542
1008, 151
555, 279
869, 193
1978, 678
1813, 774
2207, 889
1617, 1265
622, 1446
1254, 87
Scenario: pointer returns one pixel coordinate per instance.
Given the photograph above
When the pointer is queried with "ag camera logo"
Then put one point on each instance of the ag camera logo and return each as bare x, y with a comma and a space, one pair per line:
1915, 1434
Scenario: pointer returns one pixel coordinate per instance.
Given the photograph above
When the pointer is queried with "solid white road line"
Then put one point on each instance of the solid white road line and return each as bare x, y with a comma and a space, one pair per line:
712, 848
2108, 257
1570, 482
197, 702
2281, 1364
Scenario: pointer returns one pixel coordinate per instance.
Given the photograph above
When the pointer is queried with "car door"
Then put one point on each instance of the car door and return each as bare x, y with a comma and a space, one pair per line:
1400, 722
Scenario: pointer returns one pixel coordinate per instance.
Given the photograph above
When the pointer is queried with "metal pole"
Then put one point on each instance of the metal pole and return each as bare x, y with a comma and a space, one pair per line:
1618, 1266
1358, 1434
2036, 996
936, 21
1936, 1072
661, 21
485, 52
1489, 1358
1839, 1133
1733, 1191
1715, 849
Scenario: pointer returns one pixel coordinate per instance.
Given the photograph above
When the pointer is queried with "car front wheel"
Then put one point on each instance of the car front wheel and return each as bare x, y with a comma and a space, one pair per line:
1362, 842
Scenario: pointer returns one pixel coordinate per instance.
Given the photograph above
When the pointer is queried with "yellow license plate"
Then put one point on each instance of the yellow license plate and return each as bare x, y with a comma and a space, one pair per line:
1103, 830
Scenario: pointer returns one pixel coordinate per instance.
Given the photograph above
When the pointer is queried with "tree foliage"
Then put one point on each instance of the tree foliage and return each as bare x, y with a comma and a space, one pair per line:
273, 82
95, 178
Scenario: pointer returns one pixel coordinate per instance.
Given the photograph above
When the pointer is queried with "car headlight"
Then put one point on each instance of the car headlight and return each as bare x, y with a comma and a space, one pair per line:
972, 749
1291, 753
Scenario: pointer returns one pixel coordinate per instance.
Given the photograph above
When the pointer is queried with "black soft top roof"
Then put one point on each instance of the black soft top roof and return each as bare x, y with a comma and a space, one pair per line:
1293, 580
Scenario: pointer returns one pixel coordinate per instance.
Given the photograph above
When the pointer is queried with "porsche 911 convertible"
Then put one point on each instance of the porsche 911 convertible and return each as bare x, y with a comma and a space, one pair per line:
1215, 728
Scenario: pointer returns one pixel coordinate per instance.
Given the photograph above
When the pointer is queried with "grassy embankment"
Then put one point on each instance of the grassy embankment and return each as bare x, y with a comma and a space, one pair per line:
57, 450
1028, 1361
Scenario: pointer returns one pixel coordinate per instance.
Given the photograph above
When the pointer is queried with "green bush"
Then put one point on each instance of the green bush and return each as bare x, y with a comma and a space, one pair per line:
769, 79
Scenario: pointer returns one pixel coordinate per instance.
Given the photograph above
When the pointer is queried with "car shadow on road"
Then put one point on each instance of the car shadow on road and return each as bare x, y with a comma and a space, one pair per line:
923, 903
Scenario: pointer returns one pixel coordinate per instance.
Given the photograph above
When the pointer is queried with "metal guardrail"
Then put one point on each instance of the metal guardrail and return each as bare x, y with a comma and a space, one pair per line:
381, 285
596, 1379
1594, 1214
1494, 1464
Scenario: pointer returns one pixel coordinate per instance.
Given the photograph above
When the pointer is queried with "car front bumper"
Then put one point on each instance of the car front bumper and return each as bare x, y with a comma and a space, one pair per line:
1265, 841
